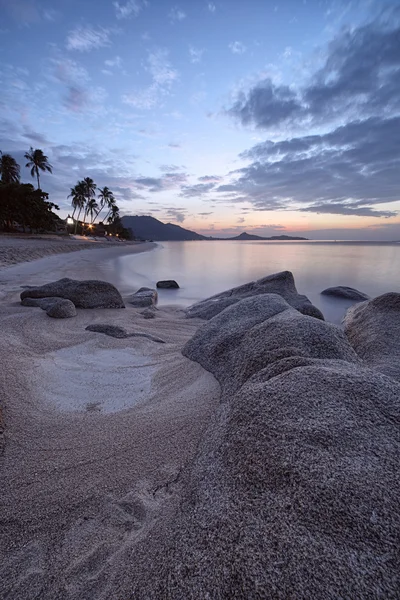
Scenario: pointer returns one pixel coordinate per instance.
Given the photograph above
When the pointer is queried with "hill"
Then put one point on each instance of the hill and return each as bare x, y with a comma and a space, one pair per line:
149, 228
249, 236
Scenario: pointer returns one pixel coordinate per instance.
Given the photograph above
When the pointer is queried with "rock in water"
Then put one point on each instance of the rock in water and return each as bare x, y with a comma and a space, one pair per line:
167, 284
144, 297
373, 329
84, 294
62, 309
279, 283
149, 313
43, 303
294, 489
349, 293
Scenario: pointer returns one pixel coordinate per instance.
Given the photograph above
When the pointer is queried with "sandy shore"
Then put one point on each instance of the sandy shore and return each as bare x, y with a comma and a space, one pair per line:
97, 431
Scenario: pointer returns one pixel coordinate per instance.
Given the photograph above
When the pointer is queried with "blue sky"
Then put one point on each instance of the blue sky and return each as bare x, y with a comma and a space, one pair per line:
265, 116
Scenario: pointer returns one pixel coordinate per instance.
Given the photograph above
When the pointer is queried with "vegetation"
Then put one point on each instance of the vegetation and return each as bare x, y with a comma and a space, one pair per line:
37, 161
23, 206
9, 169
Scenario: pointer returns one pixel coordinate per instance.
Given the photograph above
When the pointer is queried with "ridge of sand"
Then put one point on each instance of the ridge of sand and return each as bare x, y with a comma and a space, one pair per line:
97, 432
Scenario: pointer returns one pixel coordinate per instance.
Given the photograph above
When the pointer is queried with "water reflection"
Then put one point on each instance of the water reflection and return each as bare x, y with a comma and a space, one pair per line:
206, 268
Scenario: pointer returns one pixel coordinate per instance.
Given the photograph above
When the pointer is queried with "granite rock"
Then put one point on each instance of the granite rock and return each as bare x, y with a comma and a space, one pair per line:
62, 309
167, 284
279, 283
348, 293
84, 294
144, 297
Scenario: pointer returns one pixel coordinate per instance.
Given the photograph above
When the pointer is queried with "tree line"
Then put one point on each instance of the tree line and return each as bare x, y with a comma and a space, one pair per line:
21, 203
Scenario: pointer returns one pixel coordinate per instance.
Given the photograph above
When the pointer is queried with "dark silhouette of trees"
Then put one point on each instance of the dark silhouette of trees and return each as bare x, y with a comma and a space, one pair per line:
37, 161
78, 200
106, 199
20, 203
9, 169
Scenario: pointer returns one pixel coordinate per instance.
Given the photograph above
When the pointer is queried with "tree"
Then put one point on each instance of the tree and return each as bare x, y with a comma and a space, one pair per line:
78, 200
9, 169
114, 214
21, 203
92, 209
106, 198
90, 192
37, 161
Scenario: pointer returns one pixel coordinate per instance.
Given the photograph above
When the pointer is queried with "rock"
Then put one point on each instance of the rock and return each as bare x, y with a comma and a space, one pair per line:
144, 297
84, 294
148, 313
62, 309
348, 293
121, 333
111, 330
293, 492
43, 303
248, 335
373, 329
279, 283
167, 284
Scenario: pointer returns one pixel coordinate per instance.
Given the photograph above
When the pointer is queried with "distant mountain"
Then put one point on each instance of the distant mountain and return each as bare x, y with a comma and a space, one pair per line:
249, 236
149, 228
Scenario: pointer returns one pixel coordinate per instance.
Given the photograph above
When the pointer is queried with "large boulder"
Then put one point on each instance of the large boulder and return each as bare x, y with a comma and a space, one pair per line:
248, 335
279, 283
294, 490
348, 293
144, 297
373, 329
84, 294
167, 284
62, 309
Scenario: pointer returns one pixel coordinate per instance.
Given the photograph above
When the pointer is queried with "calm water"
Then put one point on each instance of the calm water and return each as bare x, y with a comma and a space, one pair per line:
206, 268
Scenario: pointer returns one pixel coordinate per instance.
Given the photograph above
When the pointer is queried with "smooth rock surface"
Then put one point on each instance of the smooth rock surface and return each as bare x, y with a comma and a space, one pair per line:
43, 303
111, 330
279, 283
248, 335
373, 329
294, 490
144, 297
148, 313
167, 284
349, 293
62, 309
84, 294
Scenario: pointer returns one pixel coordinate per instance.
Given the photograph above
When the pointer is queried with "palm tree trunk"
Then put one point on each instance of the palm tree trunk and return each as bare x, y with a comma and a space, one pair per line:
37, 175
77, 221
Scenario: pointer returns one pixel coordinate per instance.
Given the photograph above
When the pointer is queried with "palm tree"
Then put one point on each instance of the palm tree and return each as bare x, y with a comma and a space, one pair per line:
78, 200
37, 161
90, 192
92, 208
9, 168
112, 205
114, 214
106, 198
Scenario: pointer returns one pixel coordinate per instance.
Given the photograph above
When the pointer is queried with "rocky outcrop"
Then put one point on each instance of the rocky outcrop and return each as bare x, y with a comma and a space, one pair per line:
349, 293
144, 297
280, 283
294, 490
62, 309
167, 284
84, 294
149, 313
121, 333
373, 329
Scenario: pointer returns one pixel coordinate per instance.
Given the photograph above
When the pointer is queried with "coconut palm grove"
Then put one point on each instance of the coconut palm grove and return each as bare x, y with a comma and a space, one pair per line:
24, 208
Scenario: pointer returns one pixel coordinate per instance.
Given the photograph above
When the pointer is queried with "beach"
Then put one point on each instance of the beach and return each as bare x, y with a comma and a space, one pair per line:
97, 429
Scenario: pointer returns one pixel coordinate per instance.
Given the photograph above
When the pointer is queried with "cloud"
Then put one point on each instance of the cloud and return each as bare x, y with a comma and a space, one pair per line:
84, 39
360, 77
349, 169
174, 145
132, 8
196, 54
194, 191
211, 7
175, 14
176, 214
159, 184
237, 48
210, 178
171, 168
163, 76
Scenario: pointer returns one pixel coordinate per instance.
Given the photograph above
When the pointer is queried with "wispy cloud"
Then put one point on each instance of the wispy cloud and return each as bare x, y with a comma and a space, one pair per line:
132, 8
85, 39
237, 48
196, 54
176, 14
113, 64
163, 76
211, 7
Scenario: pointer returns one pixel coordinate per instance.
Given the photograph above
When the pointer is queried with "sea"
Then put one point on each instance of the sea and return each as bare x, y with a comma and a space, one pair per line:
205, 268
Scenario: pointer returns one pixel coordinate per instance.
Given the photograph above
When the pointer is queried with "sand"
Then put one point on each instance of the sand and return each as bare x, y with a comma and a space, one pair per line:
97, 432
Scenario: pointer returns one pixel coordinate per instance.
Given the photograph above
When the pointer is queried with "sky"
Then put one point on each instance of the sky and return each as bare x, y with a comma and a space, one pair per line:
271, 117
